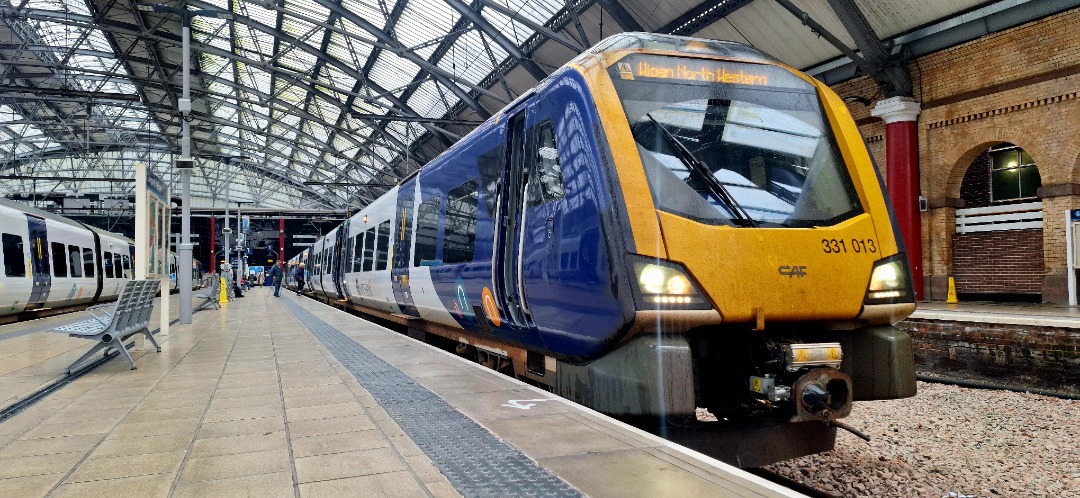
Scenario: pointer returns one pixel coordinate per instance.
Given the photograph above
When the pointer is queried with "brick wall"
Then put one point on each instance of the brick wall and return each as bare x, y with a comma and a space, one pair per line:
1018, 86
1028, 356
975, 188
1004, 262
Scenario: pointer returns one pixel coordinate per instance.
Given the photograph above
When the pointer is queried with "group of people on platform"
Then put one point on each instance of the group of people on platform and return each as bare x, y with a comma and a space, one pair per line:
274, 277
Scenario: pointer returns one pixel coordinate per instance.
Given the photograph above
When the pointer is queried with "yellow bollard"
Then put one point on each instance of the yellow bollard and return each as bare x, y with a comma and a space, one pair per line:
223, 296
952, 292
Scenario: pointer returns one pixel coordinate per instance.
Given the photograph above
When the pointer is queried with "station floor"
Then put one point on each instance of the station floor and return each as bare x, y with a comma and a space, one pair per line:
1042, 315
287, 397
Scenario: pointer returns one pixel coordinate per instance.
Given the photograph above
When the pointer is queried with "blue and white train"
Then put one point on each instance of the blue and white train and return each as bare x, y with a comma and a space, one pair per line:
51, 262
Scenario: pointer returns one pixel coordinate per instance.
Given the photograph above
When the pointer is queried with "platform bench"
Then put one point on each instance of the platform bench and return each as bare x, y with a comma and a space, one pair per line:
112, 324
210, 295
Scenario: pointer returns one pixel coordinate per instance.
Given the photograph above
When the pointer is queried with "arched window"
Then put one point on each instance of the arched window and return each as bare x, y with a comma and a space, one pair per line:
1013, 174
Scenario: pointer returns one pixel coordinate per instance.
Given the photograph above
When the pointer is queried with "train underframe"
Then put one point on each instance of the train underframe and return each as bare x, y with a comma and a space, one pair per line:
775, 395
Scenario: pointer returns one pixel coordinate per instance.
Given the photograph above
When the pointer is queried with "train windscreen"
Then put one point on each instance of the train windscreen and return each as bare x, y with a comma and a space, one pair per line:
734, 143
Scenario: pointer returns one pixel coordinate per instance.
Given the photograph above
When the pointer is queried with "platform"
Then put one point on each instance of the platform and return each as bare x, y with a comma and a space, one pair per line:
1038, 315
285, 396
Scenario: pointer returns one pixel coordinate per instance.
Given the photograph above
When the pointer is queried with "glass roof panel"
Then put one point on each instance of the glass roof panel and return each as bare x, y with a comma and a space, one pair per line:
297, 59
352, 52
309, 8
425, 21
337, 78
426, 101
469, 60
367, 9
392, 72
257, 13
513, 30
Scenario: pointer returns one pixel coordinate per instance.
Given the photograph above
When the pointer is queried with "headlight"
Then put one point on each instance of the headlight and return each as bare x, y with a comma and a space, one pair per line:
663, 284
890, 282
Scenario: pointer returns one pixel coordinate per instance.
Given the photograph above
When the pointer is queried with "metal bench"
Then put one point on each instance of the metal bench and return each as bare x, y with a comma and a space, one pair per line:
210, 295
112, 324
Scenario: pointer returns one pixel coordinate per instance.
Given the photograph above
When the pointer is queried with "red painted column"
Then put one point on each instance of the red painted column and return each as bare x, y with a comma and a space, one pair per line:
213, 255
281, 239
902, 176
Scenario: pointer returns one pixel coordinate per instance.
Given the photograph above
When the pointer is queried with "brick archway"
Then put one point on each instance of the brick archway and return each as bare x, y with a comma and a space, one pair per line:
997, 245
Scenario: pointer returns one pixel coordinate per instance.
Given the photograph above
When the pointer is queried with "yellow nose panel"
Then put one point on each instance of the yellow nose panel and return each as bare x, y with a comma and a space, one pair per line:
791, 274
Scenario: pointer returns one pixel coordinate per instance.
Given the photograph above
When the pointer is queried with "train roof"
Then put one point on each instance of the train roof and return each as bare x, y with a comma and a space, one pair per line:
26, 208
657, 41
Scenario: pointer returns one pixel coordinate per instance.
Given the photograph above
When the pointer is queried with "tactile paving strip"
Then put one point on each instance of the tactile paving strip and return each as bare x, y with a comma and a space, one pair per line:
475, 461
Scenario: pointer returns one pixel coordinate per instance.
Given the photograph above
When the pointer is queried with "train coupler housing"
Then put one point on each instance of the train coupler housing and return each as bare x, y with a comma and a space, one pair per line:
822, 394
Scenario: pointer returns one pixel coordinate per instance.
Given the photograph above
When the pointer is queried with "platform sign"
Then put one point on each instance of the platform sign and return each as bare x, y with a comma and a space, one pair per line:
153, 214
1074, 215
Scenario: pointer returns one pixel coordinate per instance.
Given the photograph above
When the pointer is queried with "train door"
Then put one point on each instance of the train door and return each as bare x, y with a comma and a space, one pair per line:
39, 262
403, 236
340, 259
508, 265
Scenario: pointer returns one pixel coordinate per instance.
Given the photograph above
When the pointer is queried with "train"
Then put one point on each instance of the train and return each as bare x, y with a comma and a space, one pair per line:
53, 263
662, 225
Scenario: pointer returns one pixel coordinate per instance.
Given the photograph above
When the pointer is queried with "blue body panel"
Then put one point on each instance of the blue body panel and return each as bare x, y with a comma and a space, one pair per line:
571, 286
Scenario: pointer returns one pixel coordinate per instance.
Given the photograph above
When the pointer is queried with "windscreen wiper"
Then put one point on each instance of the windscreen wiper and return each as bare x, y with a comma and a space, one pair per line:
738, 213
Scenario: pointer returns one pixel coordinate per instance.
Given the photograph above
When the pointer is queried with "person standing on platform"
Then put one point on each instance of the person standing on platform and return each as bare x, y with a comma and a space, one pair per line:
275, 276
298, 275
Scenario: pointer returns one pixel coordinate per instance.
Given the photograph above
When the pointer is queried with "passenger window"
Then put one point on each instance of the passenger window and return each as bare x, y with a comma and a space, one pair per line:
127, 267
459, 237
107, 261
13, 256
384, 242
118, 271
427, 232
88, 262
74, 261
358, 252
549, 180
369, 249
59, 260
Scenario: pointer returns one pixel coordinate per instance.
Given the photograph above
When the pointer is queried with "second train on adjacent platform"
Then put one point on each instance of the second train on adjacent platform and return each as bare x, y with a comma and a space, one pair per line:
52, 262
662, 224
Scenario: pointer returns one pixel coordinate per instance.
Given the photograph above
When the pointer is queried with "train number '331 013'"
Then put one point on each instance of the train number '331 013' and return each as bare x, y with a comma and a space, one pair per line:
837, 246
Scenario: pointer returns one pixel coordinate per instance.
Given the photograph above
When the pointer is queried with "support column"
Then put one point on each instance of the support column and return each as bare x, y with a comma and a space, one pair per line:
213, 246
281, 239
902, 175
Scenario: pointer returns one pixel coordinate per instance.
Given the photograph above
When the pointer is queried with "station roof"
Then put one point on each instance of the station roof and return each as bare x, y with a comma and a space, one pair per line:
325, 104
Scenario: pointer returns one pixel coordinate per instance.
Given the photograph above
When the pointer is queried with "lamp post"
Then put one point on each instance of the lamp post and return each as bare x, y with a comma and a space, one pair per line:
185, 163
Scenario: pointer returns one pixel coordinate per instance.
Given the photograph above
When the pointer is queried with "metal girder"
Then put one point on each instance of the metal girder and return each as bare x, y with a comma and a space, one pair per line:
511, 48
703, 15
891, 75
622, 15
391, 43
538, 28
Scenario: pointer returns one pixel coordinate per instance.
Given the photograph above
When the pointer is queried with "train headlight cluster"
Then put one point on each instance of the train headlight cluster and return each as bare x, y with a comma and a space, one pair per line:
666, 284
890, 282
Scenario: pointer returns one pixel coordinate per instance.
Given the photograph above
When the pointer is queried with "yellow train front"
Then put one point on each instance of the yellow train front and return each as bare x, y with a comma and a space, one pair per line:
768, 269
